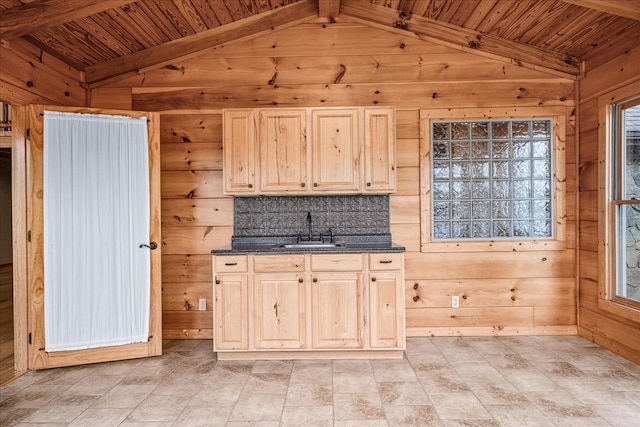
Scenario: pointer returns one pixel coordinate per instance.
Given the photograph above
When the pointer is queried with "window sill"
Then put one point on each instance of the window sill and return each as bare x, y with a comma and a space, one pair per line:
494, 246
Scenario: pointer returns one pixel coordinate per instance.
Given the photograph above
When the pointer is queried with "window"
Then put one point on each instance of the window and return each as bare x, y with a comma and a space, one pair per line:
493, 179
625, 182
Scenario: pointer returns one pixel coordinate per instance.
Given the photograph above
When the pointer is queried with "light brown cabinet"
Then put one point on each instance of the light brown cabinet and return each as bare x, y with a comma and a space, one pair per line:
386, 300
309, 151
239, 145
283, 150
231, 312
379, 150
335, 148
309, 305
337, 310
279, 308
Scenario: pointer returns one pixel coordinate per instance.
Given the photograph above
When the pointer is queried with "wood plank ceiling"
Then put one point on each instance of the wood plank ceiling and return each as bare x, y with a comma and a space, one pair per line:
114, 38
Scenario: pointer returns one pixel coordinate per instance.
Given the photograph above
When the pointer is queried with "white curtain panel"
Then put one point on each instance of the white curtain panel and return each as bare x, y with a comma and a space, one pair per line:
96, 216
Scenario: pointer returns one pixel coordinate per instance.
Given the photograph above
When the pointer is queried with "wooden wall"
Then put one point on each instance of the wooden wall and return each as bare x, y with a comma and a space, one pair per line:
30, 76
318, 64
615, 332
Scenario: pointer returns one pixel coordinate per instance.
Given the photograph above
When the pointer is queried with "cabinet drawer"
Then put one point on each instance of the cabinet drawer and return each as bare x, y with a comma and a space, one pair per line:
278, 263
337, 262
386, 261
230, 263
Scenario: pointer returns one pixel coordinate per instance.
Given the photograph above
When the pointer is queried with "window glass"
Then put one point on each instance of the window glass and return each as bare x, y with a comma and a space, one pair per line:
492, 179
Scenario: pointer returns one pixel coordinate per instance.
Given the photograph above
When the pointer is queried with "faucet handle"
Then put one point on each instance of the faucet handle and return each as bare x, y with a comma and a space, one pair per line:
333, 237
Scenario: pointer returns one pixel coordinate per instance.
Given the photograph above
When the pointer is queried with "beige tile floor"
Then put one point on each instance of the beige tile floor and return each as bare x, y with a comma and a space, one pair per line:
472, 381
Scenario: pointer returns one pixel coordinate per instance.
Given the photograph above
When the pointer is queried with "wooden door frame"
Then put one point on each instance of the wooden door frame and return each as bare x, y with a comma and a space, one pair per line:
19, 236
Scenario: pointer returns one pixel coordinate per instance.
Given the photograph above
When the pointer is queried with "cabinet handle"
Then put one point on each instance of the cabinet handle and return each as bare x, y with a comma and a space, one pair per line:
302, 184
300, 280
315, 184
373, 279
230, 264
250, 185
416, 298
217, 281
368, 184
315, 279
385, 261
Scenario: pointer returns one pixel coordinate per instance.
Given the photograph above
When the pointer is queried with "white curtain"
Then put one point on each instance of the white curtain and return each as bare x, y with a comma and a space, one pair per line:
96, 216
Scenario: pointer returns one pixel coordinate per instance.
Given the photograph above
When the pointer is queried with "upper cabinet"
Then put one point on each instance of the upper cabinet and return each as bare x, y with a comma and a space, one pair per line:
379, 150
309, 151
283, 150
239, 144
335, 150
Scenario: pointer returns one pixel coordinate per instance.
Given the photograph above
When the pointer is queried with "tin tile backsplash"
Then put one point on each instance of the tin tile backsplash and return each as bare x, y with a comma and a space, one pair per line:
287, 215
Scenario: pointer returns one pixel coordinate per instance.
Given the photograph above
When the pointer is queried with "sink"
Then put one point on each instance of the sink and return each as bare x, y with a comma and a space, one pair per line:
310, 245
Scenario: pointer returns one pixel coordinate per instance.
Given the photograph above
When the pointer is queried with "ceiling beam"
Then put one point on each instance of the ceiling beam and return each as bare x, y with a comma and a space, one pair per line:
185, 47
328, 8
458, 37
38, 15
624, 8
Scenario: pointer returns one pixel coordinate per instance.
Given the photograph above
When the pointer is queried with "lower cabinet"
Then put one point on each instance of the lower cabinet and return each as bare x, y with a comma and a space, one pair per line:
301, 305
279, 311
337, 315
231, 311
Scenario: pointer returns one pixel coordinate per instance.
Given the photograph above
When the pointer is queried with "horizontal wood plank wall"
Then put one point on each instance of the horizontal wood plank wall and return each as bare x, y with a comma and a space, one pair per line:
600, 326
30, 76
347, 64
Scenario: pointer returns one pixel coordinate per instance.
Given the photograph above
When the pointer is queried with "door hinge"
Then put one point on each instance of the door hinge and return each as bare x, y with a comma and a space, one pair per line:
30, 342
29, 236
28, 134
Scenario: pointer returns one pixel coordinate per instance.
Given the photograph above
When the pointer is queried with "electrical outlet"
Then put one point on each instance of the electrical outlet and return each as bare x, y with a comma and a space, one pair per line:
455, 301
202, 304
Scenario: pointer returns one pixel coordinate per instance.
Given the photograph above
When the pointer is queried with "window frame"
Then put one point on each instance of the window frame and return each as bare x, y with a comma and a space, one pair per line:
609, 145
558, 117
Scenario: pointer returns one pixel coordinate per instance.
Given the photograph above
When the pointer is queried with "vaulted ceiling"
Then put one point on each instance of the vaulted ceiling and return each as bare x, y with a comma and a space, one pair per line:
108, 39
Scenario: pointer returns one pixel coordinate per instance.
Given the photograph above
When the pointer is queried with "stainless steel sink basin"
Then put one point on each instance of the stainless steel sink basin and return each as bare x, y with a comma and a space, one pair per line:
310, 245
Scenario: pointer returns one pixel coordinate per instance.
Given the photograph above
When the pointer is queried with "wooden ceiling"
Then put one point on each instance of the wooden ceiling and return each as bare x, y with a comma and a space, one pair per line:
108, 39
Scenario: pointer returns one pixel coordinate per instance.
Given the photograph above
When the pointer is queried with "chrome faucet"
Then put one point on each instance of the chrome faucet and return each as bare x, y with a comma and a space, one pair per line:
310, 225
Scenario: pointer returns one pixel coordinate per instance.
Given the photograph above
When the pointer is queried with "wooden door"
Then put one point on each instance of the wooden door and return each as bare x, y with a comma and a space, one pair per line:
38, 357
279, 306
336, 150
231, 312
337, 310
379, 150
239, 138
283, 150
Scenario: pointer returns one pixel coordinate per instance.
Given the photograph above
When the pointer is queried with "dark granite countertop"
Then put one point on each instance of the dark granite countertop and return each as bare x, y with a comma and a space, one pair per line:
282, 245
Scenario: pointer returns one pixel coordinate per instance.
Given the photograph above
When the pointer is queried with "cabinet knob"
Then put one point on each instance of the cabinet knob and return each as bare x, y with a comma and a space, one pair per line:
217, 281
368, 184
315, 279
250, 185
300, 280
302, 184
373, 279
315, 184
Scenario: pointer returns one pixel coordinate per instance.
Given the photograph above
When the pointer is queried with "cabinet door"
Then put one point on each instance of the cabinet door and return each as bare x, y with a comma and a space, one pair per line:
379, 150
231, 313
337, 310
386, 298
279, 310
335, 148
283, 150
239, 138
